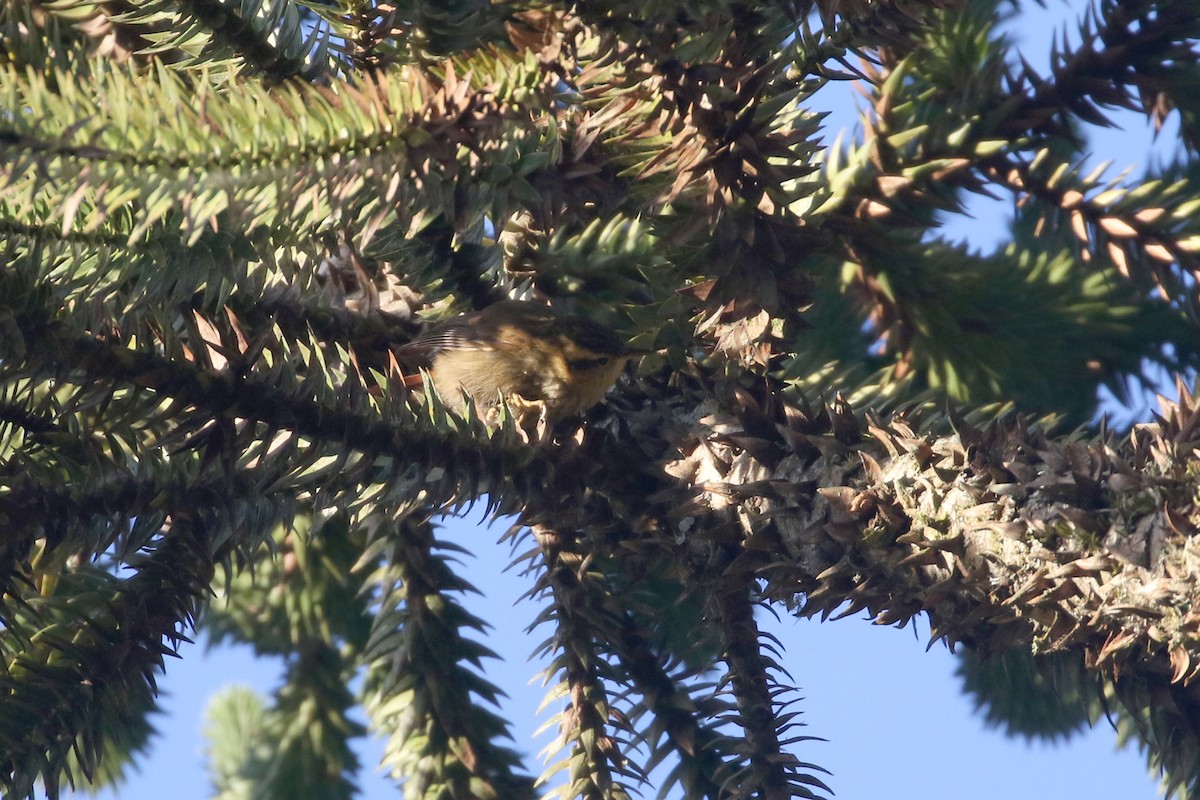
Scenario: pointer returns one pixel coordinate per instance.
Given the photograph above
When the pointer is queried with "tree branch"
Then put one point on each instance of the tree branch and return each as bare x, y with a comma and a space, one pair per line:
1000, 536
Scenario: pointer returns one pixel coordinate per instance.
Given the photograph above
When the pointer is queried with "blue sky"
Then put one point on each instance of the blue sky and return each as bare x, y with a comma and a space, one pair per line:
896, 724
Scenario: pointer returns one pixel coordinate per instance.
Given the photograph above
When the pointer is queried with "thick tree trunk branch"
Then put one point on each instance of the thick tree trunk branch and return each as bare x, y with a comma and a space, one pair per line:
1003, 536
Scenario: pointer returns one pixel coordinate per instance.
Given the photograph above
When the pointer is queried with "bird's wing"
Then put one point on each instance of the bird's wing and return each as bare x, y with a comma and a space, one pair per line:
459, 333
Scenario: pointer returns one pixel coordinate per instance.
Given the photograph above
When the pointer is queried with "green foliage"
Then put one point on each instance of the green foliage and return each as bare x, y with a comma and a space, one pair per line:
89, 668
235, 726
1035, 696
220, 218
300, 600
424, 673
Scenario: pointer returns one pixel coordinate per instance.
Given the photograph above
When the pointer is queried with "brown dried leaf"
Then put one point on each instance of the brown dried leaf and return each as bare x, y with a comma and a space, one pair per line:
212, 338
1117, 641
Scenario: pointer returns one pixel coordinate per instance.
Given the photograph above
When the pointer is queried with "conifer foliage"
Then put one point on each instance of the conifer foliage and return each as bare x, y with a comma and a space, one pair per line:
220, 218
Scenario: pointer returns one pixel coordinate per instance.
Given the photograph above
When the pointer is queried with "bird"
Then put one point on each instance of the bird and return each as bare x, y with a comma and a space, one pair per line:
531, 355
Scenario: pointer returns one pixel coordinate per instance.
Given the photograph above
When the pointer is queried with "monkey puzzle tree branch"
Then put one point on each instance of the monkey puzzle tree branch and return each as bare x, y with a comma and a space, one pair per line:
769, 772
1139, 40
444, 742
909, 164
687, 722
580, 622
598, 610
120, 508
421, 685
70, 686
1150, 240
1001, 536
230, 395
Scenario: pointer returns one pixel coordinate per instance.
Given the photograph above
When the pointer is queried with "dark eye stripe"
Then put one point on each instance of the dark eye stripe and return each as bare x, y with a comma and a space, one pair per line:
577, 364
